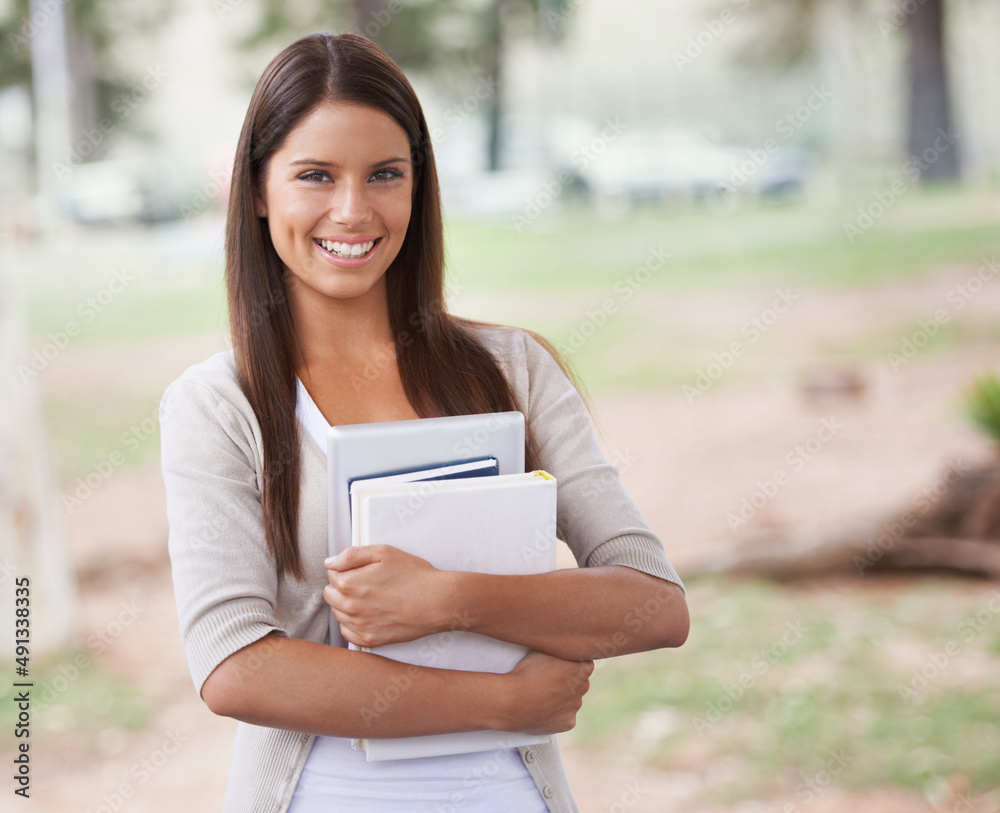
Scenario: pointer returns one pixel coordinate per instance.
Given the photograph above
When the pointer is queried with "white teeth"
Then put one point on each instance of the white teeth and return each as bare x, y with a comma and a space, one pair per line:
347, 250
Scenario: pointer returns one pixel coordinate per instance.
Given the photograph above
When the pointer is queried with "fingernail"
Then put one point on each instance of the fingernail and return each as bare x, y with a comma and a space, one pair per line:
329, 560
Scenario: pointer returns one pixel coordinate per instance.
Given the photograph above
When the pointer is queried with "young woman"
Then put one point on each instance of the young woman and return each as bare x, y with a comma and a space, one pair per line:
334, 272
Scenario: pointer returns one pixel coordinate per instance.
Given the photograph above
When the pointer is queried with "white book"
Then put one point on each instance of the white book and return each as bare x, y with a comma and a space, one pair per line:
504, 525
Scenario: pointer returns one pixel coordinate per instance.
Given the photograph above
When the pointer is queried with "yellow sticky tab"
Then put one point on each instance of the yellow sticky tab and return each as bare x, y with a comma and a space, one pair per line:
544, 474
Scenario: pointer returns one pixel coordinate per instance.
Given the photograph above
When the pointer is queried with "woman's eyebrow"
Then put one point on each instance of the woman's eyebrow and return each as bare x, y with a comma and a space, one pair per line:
318, 163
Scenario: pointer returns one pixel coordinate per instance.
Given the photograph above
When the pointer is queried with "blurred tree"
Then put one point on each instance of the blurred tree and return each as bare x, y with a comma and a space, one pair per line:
97, 32
449, 38
929, 111
31, 540
786, 36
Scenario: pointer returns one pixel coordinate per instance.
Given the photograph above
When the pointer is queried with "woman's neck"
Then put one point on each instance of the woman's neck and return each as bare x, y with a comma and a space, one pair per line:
346, 357
332, 334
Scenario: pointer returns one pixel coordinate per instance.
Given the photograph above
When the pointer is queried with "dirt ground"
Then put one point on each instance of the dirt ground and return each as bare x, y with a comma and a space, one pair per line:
689, 466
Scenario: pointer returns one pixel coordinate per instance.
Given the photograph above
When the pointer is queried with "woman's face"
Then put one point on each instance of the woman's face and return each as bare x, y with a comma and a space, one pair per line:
337, 199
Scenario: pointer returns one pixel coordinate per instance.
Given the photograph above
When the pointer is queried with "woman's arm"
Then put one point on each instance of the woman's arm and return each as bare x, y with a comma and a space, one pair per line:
622, 599
313, 688
595, 612
381, 595
248, 664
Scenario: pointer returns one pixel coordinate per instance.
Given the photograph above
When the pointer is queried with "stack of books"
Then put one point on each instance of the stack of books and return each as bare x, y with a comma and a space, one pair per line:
465, 516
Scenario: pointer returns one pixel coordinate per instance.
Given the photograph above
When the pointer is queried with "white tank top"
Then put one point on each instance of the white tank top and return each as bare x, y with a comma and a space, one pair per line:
338, 779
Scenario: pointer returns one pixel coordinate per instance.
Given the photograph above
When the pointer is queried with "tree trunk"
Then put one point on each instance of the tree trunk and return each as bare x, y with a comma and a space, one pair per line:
494, 67
929, 134
960, 534
31, 542
365, 12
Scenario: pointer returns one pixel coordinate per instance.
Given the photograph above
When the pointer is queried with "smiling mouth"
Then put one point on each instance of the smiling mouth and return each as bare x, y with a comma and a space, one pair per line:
348, 251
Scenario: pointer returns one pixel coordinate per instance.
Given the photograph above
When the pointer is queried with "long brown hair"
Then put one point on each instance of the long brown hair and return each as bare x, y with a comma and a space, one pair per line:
444, 368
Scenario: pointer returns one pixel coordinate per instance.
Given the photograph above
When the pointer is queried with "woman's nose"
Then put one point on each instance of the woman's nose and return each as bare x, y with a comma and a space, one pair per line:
350, 204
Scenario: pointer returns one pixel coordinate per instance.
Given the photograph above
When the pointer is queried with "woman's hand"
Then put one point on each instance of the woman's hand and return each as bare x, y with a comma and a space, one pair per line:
381, 595
546, 693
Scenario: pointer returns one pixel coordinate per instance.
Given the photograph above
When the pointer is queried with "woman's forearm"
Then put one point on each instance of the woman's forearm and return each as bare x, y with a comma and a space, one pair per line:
318, 689
576, 614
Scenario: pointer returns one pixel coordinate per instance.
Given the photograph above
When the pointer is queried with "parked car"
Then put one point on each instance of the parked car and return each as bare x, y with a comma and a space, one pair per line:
670, 162
123, 191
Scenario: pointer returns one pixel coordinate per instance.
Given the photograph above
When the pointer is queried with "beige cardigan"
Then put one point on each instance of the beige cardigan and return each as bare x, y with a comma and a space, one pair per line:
226, 586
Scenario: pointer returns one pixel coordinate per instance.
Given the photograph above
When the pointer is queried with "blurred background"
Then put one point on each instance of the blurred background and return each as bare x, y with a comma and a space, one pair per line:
765, 234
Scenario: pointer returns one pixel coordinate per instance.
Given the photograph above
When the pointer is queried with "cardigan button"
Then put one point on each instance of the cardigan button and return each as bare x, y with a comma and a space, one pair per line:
547, 791
529, 756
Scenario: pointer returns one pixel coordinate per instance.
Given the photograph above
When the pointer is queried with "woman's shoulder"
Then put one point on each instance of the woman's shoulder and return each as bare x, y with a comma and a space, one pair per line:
217, 372
212, 383
508, 343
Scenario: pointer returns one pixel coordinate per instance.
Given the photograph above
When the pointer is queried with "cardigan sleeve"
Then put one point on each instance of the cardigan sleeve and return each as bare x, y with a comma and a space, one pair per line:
225, 580
596, 517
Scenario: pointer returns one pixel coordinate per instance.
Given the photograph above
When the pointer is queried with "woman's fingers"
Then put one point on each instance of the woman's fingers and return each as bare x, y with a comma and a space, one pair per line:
384, 593
550, 693
355, 557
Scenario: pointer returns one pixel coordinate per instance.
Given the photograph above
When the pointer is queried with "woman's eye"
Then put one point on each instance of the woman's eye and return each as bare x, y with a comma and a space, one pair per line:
313, 175
387, 175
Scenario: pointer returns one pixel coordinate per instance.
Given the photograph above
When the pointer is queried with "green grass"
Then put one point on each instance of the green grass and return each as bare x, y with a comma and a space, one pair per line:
835, 689
579, 252
802, 245
73, 699
91, 433
137, 315
549, 278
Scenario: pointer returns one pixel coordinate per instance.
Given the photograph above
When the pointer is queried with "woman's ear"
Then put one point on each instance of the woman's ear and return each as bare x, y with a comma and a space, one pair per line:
259, 205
